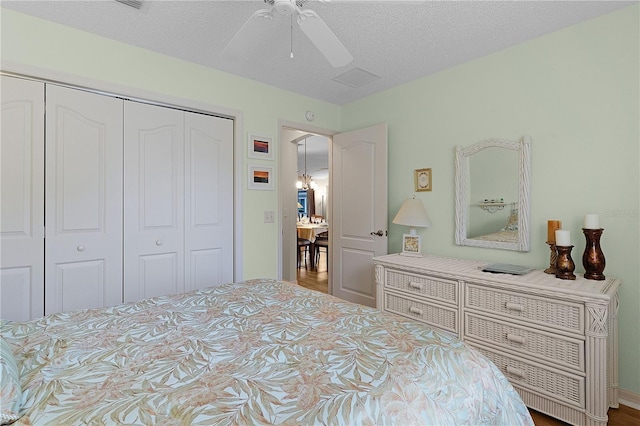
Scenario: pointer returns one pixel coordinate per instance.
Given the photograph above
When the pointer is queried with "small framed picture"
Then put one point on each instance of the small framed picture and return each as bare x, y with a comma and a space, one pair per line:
411, 245
260, 178
260, 147
423, 180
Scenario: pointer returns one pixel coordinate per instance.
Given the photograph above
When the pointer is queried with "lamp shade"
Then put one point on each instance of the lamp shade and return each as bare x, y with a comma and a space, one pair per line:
412, 214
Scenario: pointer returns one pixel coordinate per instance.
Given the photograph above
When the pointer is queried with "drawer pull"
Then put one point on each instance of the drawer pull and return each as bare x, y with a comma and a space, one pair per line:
515, 306
415, 310
415, 285
515, 371
516, 338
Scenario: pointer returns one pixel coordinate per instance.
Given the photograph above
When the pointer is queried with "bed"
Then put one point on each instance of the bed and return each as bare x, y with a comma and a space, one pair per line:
256, 352
508, 234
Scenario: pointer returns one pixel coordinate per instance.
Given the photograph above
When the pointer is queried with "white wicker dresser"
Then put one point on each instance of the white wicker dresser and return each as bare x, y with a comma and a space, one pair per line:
555, 340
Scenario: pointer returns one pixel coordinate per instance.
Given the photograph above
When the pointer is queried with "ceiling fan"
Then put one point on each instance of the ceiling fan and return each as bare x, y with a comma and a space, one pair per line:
309, 22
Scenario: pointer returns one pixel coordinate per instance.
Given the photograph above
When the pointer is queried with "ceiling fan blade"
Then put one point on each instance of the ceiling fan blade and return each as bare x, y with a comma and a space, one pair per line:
251, 32
323, 38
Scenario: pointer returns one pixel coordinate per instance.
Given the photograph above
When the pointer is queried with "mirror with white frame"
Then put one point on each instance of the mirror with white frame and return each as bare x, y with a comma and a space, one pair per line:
493, 194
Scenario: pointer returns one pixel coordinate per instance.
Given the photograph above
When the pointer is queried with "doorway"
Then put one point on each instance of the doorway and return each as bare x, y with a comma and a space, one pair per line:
356, 210
305, 204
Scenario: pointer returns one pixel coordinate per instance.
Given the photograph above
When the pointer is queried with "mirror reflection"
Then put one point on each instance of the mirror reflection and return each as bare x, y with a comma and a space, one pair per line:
492, 194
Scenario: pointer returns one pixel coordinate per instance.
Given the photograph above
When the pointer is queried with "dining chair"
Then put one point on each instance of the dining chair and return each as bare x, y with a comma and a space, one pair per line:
303, 247
322, 241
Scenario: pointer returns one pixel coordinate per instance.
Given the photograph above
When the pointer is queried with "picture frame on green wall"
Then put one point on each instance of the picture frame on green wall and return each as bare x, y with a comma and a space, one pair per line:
422, 180
260, 147
260, 178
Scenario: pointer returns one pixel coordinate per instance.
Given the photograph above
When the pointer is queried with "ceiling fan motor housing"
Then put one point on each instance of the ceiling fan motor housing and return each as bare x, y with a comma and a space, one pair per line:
298, 3
284, 7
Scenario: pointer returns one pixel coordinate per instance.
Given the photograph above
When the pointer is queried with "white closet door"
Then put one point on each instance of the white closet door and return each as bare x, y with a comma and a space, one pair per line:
208, 201
22, 200
154, 201
83, 248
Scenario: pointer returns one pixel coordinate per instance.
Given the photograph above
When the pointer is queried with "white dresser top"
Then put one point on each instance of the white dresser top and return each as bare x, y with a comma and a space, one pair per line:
536, 279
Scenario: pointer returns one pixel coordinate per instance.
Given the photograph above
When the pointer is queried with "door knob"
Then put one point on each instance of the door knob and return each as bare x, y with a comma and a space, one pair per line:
380, 233
158, 242
80, 248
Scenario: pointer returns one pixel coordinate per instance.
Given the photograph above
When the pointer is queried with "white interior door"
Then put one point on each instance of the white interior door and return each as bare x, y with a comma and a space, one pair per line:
359, 189
22, 200
208, 201
83, 246
154, 201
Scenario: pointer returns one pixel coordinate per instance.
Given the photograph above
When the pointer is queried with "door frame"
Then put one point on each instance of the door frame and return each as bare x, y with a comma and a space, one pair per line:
140, 95
285, 169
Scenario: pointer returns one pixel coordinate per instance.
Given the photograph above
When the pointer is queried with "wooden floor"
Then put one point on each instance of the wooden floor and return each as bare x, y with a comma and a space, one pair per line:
315, 280
319, 280
623, 416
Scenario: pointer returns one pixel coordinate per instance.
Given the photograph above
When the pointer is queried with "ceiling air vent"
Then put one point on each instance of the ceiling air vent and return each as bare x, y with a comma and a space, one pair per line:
356, 77
136, 4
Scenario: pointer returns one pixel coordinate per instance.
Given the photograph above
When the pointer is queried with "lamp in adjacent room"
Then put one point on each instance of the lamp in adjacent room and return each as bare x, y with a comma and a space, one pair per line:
414, 215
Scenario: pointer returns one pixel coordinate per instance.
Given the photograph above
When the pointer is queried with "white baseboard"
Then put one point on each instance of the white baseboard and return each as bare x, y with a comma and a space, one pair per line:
629, 399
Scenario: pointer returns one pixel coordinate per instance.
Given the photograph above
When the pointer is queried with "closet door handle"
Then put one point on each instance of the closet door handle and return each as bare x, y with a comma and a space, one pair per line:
80, 248
158, 242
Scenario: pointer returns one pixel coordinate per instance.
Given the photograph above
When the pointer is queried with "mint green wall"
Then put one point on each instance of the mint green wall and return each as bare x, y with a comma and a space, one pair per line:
576, 92
39, 44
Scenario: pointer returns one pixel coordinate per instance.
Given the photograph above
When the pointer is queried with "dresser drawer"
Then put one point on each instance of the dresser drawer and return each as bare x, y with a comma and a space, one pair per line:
538, 310
554, 348
438, 316
423, 285
559, 385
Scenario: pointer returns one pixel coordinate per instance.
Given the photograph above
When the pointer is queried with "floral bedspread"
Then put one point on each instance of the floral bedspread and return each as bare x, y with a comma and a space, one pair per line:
251, 353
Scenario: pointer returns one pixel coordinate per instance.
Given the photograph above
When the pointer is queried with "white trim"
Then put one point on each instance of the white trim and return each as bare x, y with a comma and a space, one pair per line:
629, 399
129, 92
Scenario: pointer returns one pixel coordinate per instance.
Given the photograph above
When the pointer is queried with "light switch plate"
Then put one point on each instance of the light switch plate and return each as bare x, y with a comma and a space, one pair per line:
269, 217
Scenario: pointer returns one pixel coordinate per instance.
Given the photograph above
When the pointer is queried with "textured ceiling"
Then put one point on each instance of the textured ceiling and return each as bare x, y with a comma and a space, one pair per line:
398, 41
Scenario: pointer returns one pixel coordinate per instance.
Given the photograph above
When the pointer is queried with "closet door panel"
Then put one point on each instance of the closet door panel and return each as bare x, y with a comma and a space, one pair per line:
83, 249
82, 284
159, 274
22, 199
154, 201
209, 200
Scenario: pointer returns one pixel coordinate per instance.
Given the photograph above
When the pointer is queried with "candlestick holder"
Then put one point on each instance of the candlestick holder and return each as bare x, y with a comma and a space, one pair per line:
553, 258
593, 258
564, 264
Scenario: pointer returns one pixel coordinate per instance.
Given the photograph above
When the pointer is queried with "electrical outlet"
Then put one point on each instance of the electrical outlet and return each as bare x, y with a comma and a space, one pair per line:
269, 217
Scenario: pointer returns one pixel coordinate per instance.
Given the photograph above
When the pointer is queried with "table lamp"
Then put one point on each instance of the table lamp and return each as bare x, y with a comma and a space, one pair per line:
414, 215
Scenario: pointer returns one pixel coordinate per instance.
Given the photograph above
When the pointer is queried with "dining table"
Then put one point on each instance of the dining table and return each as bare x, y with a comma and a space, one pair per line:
310, 231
